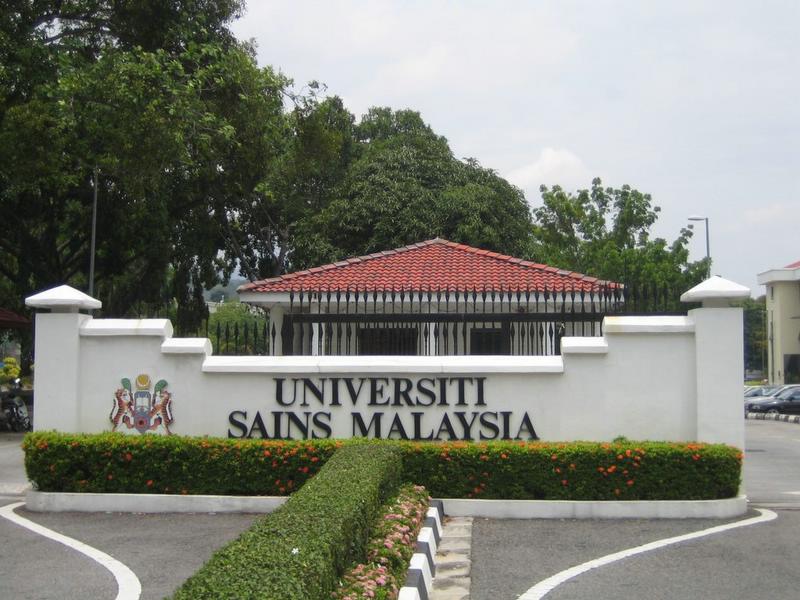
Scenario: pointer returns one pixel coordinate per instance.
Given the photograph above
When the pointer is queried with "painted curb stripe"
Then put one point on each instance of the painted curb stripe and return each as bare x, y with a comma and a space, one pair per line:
541, 589
128, 585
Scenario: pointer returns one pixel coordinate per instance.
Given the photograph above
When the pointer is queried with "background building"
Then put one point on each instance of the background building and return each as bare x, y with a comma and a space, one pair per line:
783, 323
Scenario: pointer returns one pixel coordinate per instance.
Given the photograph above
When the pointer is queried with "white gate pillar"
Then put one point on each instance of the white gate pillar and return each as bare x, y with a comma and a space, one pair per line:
719, 360
57, 352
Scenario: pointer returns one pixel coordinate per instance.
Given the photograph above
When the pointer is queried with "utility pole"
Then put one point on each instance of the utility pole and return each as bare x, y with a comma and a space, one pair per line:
94, 236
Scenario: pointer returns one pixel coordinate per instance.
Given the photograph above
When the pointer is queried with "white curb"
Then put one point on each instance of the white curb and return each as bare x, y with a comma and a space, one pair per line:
567, 509
149, 503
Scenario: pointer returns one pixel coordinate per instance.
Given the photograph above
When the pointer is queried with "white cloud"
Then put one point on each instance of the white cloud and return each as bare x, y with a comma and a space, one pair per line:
771, 214
554, 166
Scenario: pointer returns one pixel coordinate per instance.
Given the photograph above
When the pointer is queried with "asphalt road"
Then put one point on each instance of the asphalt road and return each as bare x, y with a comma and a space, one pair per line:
508, 556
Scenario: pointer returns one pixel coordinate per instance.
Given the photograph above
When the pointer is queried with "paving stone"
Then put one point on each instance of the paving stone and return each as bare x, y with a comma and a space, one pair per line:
453, 564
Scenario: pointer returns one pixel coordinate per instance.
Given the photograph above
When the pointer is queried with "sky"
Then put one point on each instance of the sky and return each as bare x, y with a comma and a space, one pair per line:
696, 103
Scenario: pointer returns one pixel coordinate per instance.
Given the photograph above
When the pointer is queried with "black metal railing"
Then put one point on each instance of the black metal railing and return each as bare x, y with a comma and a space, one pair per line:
247, 338
450, 322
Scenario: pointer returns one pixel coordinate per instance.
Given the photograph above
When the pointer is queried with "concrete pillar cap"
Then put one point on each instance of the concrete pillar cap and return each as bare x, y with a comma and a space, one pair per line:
63, 299
716, 291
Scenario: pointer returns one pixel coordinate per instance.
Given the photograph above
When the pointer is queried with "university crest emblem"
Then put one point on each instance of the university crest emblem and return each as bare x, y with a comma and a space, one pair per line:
140, 408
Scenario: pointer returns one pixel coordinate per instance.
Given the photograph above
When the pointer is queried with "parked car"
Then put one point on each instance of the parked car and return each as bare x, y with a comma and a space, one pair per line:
760, 391
787, 401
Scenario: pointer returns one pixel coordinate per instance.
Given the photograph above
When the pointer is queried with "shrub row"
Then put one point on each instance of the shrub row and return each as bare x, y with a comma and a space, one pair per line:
115, 462
622, 470
299, 551
516, 470
389, 550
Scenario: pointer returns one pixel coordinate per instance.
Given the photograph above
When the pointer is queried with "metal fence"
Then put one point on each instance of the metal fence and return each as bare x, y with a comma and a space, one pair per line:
452, 322
246, 338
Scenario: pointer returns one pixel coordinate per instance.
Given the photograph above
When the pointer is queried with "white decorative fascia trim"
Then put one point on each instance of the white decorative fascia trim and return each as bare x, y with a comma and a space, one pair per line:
265, 298
109, 327
584, 345
260, 364
778, 275
384, 364
186, 346
648, 325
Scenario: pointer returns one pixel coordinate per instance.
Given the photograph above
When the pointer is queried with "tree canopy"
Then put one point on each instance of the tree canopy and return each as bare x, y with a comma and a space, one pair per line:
207, 164
605, 232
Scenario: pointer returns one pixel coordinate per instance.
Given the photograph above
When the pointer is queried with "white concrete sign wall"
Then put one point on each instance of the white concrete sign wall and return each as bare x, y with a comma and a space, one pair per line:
658, 378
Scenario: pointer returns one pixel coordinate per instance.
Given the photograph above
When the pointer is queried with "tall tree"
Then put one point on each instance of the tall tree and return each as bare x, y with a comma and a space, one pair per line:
163, 103
605, 232
405, 185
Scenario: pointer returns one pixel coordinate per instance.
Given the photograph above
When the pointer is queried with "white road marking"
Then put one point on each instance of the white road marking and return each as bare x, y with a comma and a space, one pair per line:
128, 586
541, 589
795, 493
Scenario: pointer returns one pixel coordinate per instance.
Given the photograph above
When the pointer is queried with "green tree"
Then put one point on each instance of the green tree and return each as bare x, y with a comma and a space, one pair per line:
314, 144
755, 333
605, 232
163, 103
228, 323
403, 186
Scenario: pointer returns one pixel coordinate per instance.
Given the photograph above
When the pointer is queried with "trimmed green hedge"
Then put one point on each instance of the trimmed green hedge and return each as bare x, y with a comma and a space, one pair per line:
539, 470
115, 462
622, 470
299, 551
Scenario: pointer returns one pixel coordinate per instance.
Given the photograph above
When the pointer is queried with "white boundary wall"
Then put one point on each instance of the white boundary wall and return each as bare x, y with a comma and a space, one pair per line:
657, 378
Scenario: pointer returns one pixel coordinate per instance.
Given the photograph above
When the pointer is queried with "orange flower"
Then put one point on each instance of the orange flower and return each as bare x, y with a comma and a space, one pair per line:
563, 482
629, 482
128, 456
504, 456
149, 483
627, 452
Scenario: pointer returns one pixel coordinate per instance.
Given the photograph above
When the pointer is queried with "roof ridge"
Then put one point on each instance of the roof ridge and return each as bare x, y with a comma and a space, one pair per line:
503, 258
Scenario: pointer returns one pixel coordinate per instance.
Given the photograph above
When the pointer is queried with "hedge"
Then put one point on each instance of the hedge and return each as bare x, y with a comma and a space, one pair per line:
299, 551
622, 470
389, 550
517, 470
115, 462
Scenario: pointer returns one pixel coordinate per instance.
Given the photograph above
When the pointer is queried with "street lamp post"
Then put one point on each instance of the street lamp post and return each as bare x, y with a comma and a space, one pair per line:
708, 243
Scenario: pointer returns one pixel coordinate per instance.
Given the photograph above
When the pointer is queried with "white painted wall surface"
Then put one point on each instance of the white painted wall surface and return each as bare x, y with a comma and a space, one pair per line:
642, 385
657, 378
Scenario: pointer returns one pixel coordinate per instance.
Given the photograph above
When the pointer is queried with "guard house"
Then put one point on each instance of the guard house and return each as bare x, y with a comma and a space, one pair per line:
431, 298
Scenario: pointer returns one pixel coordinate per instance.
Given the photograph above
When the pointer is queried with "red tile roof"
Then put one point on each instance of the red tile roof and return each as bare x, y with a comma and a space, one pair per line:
11, 320
794, 265
432, 265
